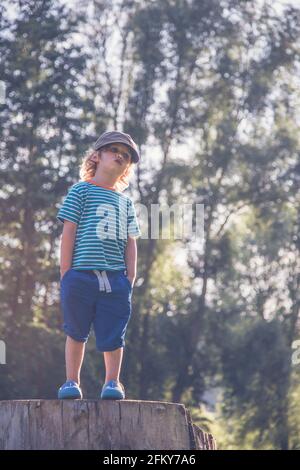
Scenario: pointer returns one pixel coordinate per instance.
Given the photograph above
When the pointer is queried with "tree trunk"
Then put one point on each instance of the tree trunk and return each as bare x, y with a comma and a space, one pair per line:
98, 424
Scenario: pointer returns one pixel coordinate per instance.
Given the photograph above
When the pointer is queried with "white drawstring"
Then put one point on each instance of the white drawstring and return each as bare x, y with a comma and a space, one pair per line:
104, 284
106, 281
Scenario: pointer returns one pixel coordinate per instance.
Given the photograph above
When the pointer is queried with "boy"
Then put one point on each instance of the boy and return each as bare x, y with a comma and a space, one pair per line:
98, 260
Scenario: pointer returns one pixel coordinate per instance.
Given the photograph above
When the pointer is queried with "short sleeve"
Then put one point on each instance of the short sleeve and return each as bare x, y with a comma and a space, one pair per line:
71, 207
133, 229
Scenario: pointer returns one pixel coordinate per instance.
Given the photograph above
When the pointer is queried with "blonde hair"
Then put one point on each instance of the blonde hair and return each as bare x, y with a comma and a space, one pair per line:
88, 169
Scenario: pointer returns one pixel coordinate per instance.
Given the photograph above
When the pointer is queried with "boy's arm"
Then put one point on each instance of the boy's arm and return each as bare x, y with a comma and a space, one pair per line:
130, 259
67, 246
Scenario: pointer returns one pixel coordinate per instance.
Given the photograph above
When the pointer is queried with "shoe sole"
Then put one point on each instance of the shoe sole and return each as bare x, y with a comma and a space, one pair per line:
69, 396
112, 395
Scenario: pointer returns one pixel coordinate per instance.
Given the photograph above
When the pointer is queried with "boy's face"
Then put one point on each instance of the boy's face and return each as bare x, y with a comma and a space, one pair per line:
115, 157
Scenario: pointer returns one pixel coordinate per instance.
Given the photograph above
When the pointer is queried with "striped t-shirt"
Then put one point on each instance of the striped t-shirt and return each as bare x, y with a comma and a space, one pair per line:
105, 218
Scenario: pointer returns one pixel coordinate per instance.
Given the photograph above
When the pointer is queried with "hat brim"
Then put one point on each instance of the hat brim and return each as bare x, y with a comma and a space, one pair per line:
134, 154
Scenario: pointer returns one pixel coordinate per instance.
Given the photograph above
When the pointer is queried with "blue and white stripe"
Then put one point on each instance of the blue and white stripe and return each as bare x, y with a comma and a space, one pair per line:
104, 218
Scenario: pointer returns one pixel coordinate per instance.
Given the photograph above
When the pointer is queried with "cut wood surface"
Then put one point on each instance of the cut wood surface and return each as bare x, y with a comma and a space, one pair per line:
99, 424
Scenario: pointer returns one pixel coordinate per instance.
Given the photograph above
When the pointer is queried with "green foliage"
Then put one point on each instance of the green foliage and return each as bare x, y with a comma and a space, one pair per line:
209, 91
256, 375
35, 365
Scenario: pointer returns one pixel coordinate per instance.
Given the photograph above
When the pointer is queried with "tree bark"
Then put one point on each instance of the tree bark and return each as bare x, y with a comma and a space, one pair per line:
98, 424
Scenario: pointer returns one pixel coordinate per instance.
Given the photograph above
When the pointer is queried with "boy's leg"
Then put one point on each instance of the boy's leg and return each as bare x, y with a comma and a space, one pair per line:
113, 310
113, 361
74, 352
78, 296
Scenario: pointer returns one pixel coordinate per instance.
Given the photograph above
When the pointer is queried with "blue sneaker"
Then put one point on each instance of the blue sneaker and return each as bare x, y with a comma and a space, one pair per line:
70, 390
113, 390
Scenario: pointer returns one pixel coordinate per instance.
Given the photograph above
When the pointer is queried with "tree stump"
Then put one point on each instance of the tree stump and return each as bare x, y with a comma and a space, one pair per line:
99, 424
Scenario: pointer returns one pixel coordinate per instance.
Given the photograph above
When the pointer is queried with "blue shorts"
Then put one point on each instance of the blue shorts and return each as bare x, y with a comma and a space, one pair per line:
99, 298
